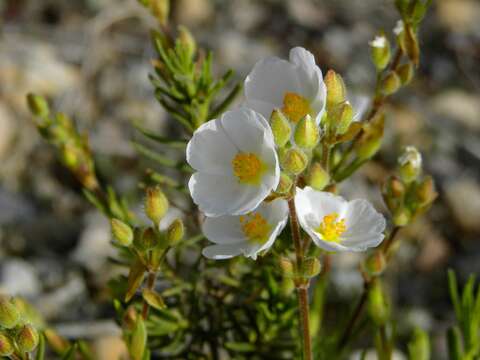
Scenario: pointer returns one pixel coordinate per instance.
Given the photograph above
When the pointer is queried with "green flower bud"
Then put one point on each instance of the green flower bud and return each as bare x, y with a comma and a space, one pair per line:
393, 192
285, 184
156, 204
287, 267
419, 346
306, 133
6, 345
371, 139
187, 41
27, 338
38, 105
294, 161
402, 216
410, 162
426, 192
377, 304
375, 264
9, 315
380, 48
280, 127
145, 239
311, 267
390, 83
406, 72
160, 9
317, 177
122, 232
340, 117
175, 232
336, 92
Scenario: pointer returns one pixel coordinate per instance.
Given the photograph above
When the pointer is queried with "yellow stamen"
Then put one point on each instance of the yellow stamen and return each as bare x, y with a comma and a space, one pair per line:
295, 107
255, 227
331, 229
248, 168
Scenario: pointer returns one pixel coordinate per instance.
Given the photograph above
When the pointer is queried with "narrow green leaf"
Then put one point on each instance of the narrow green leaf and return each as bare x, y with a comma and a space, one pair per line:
135, 279
138, 341
179, 144
454, 344
153, 299
41, 348
91, 197
226, 102
453, 288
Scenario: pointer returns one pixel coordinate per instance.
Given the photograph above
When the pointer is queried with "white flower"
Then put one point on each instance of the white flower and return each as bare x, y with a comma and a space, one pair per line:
296, 86
378, 42
411, 155
245, 234
399, 27
235, 161
335, 224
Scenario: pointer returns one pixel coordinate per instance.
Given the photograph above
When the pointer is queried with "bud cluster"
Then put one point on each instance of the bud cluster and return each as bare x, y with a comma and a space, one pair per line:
410, 194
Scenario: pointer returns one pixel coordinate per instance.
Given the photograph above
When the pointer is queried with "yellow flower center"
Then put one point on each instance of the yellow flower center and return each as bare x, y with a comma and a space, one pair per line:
248, 168
255, 227
331, 228
295, 107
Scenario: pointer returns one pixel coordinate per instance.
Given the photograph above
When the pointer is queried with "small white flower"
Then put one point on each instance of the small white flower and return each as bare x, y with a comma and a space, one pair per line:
235, 161
378, 42
399, 27
411, 155
335, 224
245, 234
296, 86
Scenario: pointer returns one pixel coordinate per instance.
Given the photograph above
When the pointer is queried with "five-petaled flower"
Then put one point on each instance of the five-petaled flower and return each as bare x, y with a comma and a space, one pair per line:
235, 161
247, 234
295, 87
335, 224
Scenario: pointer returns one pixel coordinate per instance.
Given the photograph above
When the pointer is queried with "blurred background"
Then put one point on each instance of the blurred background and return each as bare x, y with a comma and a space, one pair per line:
91, 58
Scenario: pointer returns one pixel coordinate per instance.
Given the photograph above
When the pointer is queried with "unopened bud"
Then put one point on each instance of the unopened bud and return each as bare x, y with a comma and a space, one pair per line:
371, 138
419, 346
377, 304
70, 156
130, 317
402, 216
9, 315
311, 267
426, 192
38, 105
280, 127
175, 232
336, 92
160, 9
156, 204
6, 345
294, 161
145, 239
410, 163
390, 83
138, 340
306, 133
122, 232
187, 41
318, 178
285, 184
27, 339
340, 117
380, 51
375, 264
287, 267
406, 72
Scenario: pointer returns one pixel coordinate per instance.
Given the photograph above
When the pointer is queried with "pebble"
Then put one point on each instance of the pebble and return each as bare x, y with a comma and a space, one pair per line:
463, 197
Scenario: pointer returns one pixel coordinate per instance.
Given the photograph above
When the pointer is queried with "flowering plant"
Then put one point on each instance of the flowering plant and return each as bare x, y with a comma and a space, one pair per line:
258, 186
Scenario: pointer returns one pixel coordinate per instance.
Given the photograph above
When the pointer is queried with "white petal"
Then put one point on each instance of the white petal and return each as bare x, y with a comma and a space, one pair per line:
220, 252
317, 204
224, 229
362, 218
210, 149
361, 242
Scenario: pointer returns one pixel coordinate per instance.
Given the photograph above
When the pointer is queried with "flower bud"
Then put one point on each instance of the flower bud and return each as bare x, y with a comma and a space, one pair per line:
160, 9
27, 339
306, 133
317, 177
375, 264
377, 304
156, 204
336, 92
340, 117
380, 48
122, 232
145, 239
285, 184
187, 41
280, 127
175, 232
419, 346
410, 164
405, 72
294, 161
401, 216
138, 340
311, 267
6, 345
425, 191
393, 192
38, 105
9, 315
130, 317
390, 83
371, 139
287, 267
